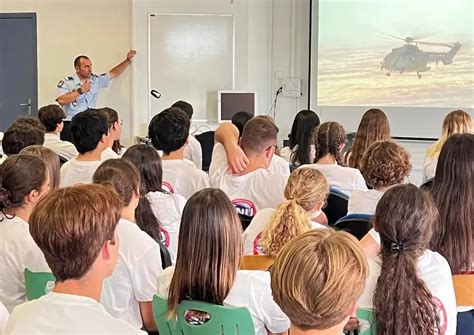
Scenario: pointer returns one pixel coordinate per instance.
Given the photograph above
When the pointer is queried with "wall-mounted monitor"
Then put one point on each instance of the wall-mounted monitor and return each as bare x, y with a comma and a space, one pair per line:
231, 102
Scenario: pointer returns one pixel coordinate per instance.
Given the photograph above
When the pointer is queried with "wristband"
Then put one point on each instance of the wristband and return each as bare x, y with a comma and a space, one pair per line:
79, 90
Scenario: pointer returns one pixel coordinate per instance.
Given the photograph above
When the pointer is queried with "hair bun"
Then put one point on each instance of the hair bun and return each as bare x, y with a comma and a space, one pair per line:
5, 197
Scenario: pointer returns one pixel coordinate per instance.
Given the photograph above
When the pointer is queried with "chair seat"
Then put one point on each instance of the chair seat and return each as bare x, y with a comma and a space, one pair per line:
256, 262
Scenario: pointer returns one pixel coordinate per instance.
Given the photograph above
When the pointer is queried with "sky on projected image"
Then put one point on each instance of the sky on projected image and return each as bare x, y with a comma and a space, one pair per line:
353, 43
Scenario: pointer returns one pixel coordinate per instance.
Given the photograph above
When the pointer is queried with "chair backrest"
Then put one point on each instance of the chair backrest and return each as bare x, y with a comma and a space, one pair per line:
160, 310
366, 319
355, 224
336, 206
62, 160
206, 140
464, 289
38, 284
224, 320
165, 255
256, 262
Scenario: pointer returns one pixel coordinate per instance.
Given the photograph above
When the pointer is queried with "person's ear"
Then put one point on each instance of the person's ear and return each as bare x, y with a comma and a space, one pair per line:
32, 197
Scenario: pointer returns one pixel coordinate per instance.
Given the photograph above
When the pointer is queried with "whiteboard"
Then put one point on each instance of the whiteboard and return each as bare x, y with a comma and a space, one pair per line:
191, 57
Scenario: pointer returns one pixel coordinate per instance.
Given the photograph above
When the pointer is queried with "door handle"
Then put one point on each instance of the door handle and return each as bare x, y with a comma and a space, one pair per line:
28, 104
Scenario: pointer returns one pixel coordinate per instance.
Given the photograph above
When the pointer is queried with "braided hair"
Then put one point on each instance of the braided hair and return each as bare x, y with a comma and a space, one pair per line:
328, 139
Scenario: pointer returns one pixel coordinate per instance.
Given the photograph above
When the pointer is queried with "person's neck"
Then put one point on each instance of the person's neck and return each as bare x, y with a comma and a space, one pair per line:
174, 155
327, 159
91, 288
128, 214
336, 330
55, 132
90, 156
82, 79
255, 163
23, 212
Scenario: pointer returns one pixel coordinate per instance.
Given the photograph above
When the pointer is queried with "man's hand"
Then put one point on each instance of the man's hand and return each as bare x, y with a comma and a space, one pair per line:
86, 86
236, 159
131, 54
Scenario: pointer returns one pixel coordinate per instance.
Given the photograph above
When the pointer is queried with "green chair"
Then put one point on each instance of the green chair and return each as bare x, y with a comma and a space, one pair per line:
38, 284
366, 318
224, 320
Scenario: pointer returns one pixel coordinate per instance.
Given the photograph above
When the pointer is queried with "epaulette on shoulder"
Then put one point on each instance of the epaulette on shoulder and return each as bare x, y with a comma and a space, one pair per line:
68, 78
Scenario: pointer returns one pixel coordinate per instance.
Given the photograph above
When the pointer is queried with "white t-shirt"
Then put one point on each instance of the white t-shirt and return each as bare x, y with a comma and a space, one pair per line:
252, 235
3, 316
18, 251
135, 276
286, 152
74, 172
193, 151
345, 179
363, 202
108, 154
252, 290
429, 168
168, 208
436, 273
3, 158
262, 188
62, 148
182, 177
57, 313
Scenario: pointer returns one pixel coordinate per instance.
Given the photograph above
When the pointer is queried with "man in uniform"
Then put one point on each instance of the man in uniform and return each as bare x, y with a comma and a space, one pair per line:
79, 91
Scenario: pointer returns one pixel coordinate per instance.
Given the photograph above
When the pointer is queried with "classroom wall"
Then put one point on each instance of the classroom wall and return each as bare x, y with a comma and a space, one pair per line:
67, 28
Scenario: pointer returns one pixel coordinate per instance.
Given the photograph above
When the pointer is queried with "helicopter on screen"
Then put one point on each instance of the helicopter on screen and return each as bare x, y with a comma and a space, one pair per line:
410, 58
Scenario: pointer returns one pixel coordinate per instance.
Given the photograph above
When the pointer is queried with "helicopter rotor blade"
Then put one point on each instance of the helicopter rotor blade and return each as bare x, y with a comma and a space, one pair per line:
392, 36
435, 44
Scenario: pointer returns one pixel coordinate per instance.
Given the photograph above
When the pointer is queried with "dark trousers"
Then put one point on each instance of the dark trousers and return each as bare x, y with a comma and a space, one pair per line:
465, 325
66, 134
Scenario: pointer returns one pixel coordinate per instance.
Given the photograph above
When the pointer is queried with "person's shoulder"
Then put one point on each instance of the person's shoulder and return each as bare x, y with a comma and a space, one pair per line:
133, 238
257, 278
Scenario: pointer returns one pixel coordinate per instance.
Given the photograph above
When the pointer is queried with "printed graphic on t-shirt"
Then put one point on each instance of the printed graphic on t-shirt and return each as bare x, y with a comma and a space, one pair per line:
257, 246
244, 207
165, 237
167, 187
442, 314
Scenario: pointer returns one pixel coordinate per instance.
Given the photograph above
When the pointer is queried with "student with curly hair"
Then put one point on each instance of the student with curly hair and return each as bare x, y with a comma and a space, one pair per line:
409, 288
373, 127
456, 122
270, 229
329, 141
317, 278
384, 164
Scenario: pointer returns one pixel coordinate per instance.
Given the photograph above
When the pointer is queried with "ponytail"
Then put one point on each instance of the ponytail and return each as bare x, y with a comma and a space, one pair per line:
146, 220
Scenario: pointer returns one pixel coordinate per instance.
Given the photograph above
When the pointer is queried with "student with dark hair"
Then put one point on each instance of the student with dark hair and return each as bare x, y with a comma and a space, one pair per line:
165, 219
75, 228
253, 184
19, 136
50, 158
409, 287
90, 134
169, 132
193, 149
114, 123
52, 117
373, 127
128, 293
206, 269
329, 141
316, 280
29, 121
239, 120
301, 149
24, 179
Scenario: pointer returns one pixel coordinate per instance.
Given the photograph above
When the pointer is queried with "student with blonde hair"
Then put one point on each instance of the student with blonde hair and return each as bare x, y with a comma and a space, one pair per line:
128, 293
316, 280
373, 127
329, 140
209, 252
456, 122
384, 164
305, 193
50, 158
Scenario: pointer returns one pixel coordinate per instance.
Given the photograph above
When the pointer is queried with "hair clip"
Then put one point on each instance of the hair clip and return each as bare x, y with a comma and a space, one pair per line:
398, 247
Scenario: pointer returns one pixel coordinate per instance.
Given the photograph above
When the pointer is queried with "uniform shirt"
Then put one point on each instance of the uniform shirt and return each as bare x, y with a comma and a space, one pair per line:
85, 100
135, 276
74, 171
58, 313
251, 289
253, 234
182, 177
193, 151
262, 188
286, 152
62, 148
3, 315
434, 270
168, 208
363, 202
108, 154
345, 179
18, 251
